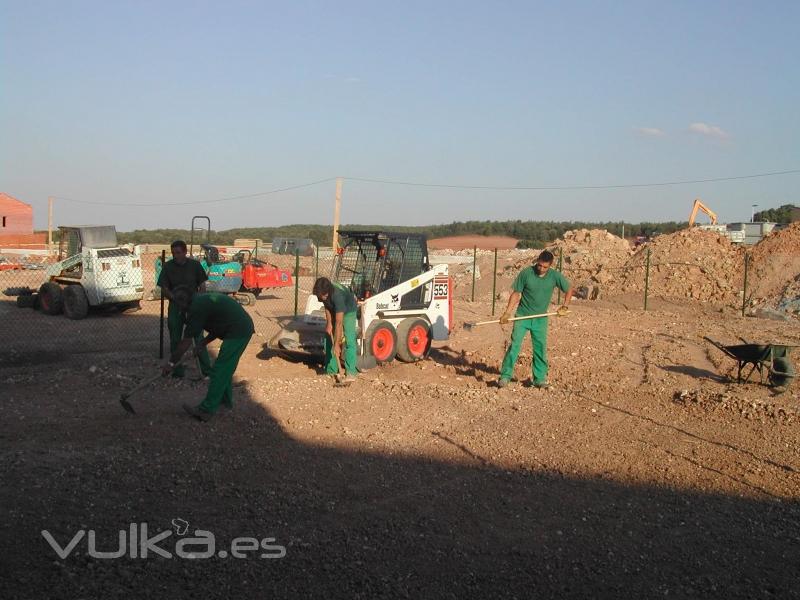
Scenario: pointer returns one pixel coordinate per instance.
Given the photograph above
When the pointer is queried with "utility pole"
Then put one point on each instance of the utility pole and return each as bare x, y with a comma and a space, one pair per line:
753, 213
49, 225
336, 211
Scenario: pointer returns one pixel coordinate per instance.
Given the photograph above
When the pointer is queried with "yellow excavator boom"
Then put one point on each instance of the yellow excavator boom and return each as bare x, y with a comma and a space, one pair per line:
699, 206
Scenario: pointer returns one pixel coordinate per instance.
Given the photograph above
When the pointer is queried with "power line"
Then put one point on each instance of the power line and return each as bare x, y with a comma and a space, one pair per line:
442, 185
227, 199
569, 187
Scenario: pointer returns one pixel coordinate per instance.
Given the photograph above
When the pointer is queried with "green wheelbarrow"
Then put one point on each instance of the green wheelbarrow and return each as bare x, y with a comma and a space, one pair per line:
770, 359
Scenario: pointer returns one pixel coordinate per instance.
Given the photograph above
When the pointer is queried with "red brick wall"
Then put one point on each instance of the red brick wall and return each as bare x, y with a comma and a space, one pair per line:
15, 217
21, 240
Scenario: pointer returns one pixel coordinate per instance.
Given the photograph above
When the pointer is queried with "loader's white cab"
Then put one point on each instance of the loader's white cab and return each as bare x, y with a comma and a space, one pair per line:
93, 270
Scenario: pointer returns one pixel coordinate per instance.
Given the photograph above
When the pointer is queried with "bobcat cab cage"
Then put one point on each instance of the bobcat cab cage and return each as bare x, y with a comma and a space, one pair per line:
370, 262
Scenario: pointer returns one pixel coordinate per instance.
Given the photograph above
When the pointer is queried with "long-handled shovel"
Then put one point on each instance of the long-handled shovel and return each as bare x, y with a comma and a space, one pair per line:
560, 313
125, 396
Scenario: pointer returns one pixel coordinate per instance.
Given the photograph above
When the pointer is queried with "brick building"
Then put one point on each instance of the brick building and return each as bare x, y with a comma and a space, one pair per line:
16, 223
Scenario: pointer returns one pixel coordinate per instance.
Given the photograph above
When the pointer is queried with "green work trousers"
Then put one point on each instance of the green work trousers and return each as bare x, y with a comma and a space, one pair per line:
350, 348
175, 324
538, 329
220, 387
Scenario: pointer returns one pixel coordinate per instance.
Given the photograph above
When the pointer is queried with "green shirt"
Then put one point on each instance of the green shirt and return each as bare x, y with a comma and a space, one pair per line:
218, 314
191, 274
341, 300
537, 291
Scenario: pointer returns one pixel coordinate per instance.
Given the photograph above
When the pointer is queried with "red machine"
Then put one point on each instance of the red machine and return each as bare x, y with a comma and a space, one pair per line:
258, 275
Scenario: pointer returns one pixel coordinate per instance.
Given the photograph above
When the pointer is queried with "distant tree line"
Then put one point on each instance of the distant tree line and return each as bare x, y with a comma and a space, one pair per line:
531, 234
782, 214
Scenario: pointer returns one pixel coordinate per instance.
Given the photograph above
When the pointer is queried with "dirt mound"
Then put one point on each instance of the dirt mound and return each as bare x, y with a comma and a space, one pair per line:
776, 270
591, 250
691, 263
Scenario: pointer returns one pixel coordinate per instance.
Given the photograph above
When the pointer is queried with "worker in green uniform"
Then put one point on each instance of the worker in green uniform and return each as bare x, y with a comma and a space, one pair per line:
182, 271
340, 323
223, 318
531, 294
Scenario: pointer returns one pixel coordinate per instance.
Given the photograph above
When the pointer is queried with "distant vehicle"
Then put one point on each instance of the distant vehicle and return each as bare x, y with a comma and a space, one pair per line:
92, 271
301, 246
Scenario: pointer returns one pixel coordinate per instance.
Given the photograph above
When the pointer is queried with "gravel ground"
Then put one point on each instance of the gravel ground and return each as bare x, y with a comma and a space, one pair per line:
644, 472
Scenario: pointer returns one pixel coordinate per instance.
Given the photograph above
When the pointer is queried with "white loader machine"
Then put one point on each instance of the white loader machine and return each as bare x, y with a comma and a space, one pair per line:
92, 271
404, 303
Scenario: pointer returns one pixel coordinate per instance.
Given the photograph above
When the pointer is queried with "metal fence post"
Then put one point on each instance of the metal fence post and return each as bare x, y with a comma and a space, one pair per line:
494, 281
560, 264
744, 290
161, 320
474, 268
316, 262
296, 280
646, 277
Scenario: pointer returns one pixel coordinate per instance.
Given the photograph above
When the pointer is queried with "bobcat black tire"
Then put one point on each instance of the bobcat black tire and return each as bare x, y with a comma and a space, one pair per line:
76, 304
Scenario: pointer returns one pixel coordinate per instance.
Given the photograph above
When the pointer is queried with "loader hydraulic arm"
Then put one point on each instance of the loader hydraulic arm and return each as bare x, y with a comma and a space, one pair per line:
58, 268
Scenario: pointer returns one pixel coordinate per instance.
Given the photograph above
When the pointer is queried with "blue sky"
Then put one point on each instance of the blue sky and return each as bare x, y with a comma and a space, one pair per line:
158, 102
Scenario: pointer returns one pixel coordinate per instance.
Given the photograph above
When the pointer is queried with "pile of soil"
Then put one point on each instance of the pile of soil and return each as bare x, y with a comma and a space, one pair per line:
775, 263
688, 264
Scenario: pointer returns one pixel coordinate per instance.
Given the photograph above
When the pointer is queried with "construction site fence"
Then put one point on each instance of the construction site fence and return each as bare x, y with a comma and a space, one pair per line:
26, 327
637, 278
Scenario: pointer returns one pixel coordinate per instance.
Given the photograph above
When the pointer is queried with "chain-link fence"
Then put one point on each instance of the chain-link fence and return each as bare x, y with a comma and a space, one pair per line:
92, 304
483, 276
109, 299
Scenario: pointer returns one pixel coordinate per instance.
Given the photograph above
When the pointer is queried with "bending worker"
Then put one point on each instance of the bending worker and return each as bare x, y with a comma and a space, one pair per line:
532, 291
340, 316
222, 317
182, 271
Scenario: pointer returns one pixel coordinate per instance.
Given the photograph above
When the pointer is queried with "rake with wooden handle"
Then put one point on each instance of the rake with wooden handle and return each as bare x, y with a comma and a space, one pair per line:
559, 313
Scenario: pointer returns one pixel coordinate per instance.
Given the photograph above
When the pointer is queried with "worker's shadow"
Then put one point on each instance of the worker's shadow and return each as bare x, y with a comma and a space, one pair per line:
463, 364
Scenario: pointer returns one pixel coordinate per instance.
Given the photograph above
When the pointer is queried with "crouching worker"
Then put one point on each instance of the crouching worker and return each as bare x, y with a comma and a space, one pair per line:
340, 315
222, 317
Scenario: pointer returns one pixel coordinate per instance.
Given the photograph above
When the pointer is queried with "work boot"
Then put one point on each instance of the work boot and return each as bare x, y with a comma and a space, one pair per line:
342, 379
501, 383
542, 385
198, 413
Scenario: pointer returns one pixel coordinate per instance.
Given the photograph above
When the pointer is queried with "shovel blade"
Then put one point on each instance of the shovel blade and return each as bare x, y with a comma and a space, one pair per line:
127, 405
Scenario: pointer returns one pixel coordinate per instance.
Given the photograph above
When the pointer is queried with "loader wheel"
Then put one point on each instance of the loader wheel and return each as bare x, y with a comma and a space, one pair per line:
382, 341
76, 304
51, 298
26, 301
413, 340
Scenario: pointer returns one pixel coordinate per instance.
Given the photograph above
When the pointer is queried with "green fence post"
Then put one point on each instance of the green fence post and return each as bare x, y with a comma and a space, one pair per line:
161, 319
296, 280
744, 290
560, 264
316, 262
474, 268
494, 281
646, 277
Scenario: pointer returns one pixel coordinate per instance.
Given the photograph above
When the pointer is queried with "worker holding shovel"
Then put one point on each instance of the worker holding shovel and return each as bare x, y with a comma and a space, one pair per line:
340, 313
532, 291
222, 317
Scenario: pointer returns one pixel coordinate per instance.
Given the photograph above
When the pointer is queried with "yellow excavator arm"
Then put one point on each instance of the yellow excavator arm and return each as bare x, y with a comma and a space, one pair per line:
699, 206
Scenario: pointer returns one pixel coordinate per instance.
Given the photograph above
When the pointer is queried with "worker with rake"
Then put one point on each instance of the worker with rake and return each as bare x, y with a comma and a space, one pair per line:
182, 271
223, 318
532, 291
340, 315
